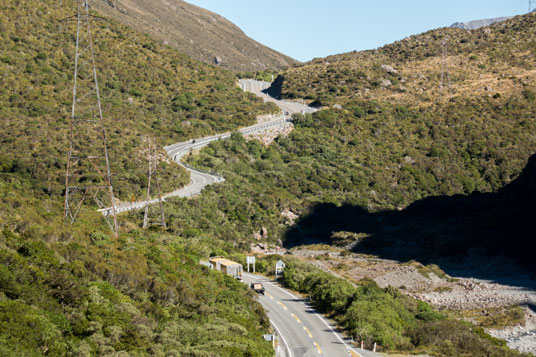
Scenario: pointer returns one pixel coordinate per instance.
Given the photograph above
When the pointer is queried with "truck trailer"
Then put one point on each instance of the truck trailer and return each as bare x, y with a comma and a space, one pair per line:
227, 266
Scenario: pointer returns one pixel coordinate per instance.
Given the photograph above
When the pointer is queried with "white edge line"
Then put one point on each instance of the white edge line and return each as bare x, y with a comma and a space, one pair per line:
282, 338
320, 317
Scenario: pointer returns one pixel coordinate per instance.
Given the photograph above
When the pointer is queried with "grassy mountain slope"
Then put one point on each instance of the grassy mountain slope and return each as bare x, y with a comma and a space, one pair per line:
492, 61
199, 33
381, 170
385, 159
387, 149
96, 296
146, 89
73, 289
434, 229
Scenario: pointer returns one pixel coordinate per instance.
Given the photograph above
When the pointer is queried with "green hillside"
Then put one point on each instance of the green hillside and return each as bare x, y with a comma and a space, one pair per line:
491, 61
146, 88
380, 153
73, 290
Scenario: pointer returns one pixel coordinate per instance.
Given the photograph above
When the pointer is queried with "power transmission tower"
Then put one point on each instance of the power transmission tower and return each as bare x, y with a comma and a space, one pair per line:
445, 75
88, 173
152, 158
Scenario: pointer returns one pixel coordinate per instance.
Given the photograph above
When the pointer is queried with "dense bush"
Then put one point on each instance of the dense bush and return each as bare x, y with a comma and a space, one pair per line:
385, 158
73, 289
385, 316
78, 298
146, 89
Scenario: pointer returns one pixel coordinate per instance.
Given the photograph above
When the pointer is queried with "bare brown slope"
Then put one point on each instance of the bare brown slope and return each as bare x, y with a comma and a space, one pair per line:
199, 33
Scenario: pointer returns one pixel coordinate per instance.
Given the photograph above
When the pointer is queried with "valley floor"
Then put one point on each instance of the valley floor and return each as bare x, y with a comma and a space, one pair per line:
506, 307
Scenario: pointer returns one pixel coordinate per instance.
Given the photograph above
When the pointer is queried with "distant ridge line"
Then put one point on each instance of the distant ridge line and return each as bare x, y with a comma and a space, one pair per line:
476, 24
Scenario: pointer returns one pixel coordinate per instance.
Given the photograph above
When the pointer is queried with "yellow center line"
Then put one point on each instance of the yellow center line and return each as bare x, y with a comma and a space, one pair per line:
318, 347
297, 319
354, 354
280, 303
308, 332
270, 296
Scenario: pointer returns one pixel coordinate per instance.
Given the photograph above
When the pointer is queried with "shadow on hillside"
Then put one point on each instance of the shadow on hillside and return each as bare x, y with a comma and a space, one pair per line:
275, 89
484, 236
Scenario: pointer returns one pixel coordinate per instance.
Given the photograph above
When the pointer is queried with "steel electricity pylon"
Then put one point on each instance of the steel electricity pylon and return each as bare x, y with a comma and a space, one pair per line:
445, 75
152, 158
88, 175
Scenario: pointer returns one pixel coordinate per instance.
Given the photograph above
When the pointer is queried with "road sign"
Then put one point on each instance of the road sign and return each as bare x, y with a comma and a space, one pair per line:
250, 260
279, 267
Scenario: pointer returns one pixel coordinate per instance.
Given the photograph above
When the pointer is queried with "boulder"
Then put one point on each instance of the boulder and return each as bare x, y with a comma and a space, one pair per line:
386, 83
409, 160
218, 60
389, 69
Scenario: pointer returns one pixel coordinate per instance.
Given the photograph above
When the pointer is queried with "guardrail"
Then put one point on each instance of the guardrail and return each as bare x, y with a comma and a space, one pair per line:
213, 173
284, 118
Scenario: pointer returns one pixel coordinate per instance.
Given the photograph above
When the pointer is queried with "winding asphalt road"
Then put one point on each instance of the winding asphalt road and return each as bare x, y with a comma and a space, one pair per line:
303, 332
200, 179
257, 87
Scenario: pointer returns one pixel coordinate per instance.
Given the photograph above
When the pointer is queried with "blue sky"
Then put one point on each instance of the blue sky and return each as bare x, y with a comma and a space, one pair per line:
304, 29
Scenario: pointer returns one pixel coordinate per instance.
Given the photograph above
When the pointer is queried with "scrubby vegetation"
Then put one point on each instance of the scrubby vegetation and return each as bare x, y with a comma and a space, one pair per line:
387, 158
381, 152
146, 88
494, 61
387, 317
73, 289
143, 294
495, 318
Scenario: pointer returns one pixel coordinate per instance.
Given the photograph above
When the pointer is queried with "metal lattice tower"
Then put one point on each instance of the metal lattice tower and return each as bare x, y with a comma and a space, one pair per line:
445, 75
88, 175
152, 158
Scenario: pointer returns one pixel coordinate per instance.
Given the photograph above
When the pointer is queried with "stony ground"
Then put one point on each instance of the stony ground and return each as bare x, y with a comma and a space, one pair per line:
454, 292
268, 136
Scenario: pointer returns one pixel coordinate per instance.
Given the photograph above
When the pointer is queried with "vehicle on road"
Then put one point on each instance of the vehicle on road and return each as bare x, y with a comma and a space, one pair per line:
258, 288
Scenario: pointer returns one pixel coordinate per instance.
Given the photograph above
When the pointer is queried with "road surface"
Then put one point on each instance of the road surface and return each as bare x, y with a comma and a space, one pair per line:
256, 87
302, 331
200, 179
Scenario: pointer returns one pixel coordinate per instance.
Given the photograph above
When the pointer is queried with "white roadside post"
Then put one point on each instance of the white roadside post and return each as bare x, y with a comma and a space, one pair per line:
250, 260
270, 338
